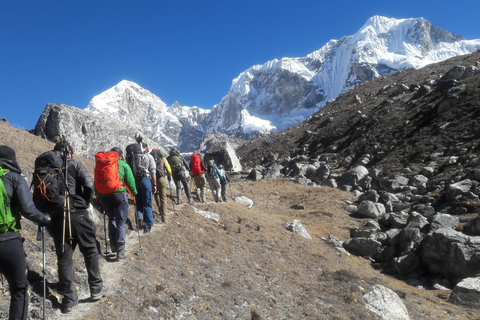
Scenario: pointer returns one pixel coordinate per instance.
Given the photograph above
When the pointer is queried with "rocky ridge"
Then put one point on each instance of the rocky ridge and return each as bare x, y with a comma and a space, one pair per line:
407, 145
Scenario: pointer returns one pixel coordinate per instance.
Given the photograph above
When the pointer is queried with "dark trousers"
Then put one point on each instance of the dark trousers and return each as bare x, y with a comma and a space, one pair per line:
116, 208
83, 235
14, 267
181, 178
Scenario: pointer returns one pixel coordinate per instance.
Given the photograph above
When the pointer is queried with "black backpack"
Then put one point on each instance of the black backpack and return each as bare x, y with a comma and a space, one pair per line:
136, 161
49, 182
159, 162
212, 170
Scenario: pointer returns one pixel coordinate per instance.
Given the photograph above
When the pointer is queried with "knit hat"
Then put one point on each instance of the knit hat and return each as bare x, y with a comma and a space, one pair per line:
117, 150
7, 153
8, 159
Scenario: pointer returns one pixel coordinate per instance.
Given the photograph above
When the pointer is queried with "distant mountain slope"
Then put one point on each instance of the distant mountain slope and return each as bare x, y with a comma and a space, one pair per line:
285, 92
282, 93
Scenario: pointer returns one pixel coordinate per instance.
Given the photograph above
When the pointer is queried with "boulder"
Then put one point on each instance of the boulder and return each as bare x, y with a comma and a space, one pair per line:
370, 209
244, 201
473, 226
224, 153
296, 227
450, 253
442, 220
455, 190
353, 176
385, 303
364, 247
406, 264
466, 293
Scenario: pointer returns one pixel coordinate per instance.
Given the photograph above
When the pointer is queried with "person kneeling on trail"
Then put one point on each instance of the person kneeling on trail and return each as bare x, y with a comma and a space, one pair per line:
180, 174
15, 200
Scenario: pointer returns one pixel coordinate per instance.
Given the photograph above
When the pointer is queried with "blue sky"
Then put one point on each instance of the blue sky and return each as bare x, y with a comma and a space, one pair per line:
186, 51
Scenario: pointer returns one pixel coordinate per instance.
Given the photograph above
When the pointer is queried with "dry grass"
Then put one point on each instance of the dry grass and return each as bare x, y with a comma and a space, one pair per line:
245, 266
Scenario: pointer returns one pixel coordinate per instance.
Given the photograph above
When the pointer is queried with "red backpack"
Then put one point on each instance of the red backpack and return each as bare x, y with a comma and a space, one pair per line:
196, 164
106, 176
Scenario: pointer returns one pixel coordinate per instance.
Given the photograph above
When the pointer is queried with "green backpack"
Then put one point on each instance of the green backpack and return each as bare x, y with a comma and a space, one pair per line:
7, 220
174, 160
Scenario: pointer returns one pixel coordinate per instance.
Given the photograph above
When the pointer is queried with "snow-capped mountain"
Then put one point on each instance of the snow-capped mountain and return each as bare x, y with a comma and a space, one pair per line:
285, 92
282, 93
170, 126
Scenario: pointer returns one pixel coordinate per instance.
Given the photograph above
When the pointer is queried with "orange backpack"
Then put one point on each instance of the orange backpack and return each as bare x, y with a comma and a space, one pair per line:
106, 176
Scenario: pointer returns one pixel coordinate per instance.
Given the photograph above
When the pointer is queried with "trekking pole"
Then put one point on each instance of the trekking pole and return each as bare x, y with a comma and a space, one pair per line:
137, 219
173, 202
138, 230
41, 234
105, 229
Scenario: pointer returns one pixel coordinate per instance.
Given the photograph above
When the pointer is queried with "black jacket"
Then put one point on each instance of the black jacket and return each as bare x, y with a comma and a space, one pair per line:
80, 186
19, 196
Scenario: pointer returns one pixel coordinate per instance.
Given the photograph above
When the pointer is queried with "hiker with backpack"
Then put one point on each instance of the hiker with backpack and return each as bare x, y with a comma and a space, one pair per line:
224, 180
180, 174
143, 167
198, 172
15, 201
213, 177
71, 225
163, 171
113, 177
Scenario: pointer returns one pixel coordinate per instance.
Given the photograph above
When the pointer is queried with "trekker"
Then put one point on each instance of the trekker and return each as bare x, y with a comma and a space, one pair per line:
115, 206
180, 174
163, 171
146, 183
198, 172
17, 201
224, 180
213, 177
79, 230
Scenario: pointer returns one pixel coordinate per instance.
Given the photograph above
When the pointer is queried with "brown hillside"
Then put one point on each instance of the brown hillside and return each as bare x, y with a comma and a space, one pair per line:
245, 266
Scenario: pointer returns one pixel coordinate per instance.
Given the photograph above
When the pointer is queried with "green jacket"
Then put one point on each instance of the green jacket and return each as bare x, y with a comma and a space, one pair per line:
126, 176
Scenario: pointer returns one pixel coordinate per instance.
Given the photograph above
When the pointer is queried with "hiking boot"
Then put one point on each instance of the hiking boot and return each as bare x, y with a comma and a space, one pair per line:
140, 222
121, 255
147, 230
97, 296
113, 247
68, 307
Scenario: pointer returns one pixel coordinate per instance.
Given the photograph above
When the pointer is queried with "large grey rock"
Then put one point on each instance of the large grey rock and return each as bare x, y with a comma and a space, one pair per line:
364, 247
244, 201
452, 254
473, 226
272, 172
395, 184
207, 214
297, 227
406, 264
353, 176
224, 153
458, 189
385, 303
88, 133
370, 209
442, 220
466, 293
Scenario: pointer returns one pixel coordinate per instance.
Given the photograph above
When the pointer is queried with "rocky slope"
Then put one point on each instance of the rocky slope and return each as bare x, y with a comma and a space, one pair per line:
243, 265
408, 146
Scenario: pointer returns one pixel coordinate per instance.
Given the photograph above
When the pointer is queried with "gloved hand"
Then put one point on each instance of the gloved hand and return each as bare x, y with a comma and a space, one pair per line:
46, 220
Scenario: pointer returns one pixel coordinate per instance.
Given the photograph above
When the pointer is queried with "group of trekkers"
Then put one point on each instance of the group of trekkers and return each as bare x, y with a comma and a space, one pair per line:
62, 193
